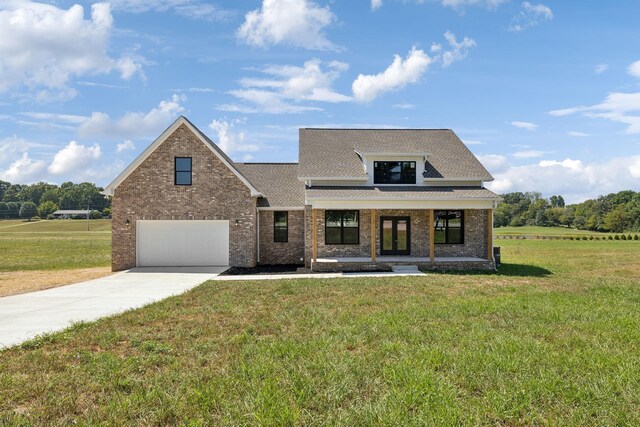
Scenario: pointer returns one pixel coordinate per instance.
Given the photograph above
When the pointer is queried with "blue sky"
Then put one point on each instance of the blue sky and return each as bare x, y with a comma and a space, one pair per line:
546, 94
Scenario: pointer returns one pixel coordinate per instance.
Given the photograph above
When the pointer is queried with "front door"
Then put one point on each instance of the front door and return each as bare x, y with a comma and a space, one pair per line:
395, 232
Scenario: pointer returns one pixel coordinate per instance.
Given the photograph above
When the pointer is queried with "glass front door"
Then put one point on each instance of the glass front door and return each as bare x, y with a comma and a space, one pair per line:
395, 235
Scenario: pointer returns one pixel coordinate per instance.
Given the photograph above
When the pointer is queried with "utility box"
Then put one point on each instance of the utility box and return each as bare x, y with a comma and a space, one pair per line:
496, 255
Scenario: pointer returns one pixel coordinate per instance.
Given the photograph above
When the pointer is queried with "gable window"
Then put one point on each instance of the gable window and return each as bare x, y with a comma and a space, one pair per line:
449, 227
342, 228
183, 171
394, 172
280, 227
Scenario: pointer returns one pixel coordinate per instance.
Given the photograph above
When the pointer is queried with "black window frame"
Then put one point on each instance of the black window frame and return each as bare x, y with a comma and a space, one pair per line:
177, 171
342, 227
380, 178
276, 226
446, 226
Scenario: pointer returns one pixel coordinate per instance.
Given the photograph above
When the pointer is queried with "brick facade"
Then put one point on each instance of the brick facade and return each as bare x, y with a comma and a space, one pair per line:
475, 237
290, 252
216, 193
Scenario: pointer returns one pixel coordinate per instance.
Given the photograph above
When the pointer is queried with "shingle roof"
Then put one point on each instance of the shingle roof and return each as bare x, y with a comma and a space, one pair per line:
278, 183
333, 152
401, 193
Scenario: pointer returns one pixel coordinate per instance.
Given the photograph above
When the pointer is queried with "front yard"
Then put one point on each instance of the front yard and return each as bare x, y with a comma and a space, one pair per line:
554, 338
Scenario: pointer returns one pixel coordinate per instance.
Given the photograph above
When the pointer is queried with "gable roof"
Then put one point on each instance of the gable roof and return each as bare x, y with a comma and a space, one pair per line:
155, 144
335, 153
278, 183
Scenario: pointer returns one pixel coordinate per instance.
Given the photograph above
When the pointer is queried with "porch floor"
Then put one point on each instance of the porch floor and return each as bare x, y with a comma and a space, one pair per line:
400, 259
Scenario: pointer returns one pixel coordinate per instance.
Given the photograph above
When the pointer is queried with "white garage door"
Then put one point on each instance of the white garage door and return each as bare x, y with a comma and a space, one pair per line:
182, 243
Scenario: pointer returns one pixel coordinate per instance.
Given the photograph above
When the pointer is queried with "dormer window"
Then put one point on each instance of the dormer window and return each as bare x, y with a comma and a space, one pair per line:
394, 172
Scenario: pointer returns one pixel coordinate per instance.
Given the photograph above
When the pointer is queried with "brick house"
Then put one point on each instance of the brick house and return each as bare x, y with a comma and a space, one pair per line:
357, 199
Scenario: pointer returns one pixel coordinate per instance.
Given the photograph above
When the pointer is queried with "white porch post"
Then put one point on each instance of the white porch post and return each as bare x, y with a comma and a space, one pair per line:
490, 234
432, 243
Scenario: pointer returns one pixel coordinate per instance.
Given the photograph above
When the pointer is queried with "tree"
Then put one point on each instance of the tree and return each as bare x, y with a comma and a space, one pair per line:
47, 208
617, 220
556, 201
28, 210
95, 215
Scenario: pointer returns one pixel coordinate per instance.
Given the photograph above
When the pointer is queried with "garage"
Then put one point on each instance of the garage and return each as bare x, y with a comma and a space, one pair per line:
182, 243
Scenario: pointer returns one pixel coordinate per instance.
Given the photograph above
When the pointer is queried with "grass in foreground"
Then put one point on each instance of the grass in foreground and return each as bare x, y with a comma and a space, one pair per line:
553, 339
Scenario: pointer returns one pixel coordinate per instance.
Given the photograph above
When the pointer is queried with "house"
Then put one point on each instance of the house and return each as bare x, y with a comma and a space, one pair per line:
358, 199
67, 213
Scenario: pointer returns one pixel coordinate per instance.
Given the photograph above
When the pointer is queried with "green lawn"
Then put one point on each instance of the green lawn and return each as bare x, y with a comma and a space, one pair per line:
552, 339
546, 231
54, 245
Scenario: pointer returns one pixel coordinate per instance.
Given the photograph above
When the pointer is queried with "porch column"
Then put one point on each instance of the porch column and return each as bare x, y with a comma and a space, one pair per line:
373, 235
432, 234
490, 234
314, 238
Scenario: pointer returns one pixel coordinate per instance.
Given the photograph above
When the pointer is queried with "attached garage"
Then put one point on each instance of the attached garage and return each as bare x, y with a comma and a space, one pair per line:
193, 243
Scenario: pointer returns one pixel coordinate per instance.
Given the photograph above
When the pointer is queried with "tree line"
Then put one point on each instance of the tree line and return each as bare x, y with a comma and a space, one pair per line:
42, 199
615, 212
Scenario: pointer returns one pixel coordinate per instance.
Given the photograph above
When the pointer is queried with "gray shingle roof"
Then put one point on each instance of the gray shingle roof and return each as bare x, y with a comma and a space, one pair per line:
401, 193
332, 152
278, 182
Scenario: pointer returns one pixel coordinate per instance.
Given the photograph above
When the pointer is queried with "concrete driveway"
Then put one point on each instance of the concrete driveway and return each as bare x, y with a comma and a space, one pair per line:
22, 317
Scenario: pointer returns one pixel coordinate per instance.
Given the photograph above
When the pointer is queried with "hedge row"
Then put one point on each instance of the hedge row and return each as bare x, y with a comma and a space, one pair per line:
591, 237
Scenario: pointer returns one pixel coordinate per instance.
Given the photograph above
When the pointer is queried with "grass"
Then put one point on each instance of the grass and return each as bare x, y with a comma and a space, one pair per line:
553, 338
546, 231
54, 245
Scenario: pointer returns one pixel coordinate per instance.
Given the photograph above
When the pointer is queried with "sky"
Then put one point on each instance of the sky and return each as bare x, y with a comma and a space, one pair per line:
547, 95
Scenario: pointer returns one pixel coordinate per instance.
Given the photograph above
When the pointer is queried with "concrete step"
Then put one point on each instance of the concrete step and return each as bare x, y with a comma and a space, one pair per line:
405, 269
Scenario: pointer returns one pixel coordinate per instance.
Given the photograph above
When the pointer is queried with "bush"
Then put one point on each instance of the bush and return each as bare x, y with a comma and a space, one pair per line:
623, 237
50, 216
635, 237
95, 215
616, 237
586, 238
47, 208
610, 237
629, 237
590, 237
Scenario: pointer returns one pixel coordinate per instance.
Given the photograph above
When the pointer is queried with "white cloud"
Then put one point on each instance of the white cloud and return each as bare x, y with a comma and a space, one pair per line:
12, 147
24, 170
459, 4
525, 125
298, 23
634, 69
577, 134
530, 15
574, 179
231, 141
287, 83
404, 106
376, 4
46, 46
528, 154
400, 73
126, 145
188, 8
459, 50
618, 107
601, 68
74, 157
495, 163
133, 125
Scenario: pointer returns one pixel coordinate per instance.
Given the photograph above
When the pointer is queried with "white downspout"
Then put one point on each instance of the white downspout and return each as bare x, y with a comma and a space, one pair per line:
257, 236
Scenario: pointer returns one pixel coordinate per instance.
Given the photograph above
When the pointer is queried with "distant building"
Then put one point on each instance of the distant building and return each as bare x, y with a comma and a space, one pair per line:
66, 214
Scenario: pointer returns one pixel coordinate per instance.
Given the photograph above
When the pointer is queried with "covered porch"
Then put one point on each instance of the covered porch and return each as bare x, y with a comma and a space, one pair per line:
444, 234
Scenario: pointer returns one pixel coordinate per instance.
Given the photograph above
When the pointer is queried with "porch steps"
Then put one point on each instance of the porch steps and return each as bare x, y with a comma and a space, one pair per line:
405, 269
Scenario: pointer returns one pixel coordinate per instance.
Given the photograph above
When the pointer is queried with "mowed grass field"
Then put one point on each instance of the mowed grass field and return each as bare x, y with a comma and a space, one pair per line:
547, 231
41, 254
553, 338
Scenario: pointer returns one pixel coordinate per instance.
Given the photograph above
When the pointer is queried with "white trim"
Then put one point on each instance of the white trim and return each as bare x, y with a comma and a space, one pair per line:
458, 179
333, 178
281, 208
423, 154
108, 191
400, 204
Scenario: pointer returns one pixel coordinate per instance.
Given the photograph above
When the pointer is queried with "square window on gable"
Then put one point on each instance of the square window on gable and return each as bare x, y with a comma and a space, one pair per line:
183, 170
394, 172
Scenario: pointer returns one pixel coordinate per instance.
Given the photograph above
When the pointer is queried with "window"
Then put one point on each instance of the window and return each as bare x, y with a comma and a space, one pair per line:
449, 227
342, 228
394, 172
280, 227
183, 171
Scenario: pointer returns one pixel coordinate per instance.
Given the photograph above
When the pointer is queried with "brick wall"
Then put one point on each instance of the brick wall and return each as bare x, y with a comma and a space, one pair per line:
419, 229
475, 237
290, 252
216, 193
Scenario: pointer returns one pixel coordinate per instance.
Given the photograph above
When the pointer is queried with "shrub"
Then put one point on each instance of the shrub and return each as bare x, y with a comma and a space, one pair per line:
623, 237
635, 237
585, 237
610, 237
95, 215
590, 237
629, 237
616, 237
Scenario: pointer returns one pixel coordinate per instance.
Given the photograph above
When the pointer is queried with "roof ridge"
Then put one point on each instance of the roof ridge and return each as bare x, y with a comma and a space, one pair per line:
380, 129
266, 163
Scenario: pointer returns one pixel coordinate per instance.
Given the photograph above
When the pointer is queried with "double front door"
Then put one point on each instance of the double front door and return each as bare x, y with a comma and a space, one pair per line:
395, 234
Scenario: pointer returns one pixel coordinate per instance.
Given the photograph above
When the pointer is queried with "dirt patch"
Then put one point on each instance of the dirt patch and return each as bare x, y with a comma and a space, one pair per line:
19, 282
